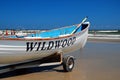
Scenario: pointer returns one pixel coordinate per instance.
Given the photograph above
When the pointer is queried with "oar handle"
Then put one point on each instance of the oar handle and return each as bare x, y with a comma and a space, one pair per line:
79, 25
82, 22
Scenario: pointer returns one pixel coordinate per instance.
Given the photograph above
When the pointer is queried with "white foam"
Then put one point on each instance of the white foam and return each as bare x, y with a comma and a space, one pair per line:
109, 31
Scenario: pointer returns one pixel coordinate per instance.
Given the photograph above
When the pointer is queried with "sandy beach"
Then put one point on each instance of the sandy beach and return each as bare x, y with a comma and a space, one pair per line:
96, 61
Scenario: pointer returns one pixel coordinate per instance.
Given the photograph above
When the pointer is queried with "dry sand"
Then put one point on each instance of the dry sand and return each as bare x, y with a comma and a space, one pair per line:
97, 61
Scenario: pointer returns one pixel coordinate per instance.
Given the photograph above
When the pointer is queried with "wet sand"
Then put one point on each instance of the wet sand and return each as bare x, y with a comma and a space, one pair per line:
96, 61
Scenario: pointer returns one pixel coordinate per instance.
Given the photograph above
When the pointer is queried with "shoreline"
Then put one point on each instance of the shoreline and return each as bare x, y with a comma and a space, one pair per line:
103, 40
104, 37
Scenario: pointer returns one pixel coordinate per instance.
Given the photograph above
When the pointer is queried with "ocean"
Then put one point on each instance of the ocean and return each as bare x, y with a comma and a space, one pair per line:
53, 26
104, 27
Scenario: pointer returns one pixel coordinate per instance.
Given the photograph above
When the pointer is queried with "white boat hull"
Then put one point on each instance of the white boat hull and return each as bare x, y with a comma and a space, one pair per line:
18, 51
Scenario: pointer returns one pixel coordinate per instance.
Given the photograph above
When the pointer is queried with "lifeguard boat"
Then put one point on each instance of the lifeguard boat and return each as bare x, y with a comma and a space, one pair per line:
16, 50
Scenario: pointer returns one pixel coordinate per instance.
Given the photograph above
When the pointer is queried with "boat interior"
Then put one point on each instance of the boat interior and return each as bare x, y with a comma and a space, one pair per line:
56, 32
53, 33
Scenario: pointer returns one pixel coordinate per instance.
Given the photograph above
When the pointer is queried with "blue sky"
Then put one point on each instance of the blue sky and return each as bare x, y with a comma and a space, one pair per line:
47, 14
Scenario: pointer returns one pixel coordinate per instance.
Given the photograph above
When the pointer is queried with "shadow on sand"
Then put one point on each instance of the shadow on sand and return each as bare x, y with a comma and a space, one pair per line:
24, 71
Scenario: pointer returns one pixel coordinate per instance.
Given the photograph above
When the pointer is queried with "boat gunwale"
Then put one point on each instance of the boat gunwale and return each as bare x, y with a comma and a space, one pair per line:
25, 39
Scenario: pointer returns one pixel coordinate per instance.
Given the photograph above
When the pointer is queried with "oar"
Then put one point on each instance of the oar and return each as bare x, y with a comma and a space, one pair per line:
79, 25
